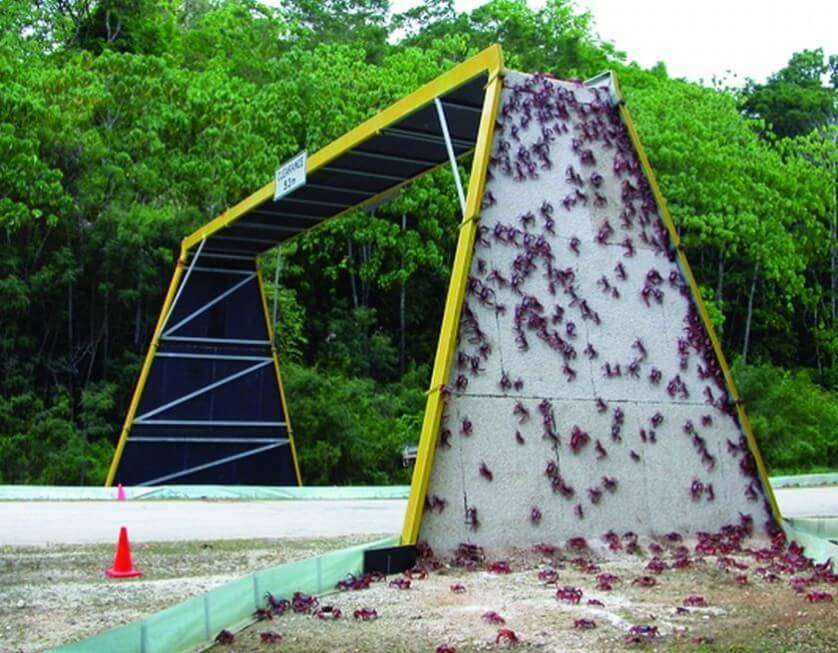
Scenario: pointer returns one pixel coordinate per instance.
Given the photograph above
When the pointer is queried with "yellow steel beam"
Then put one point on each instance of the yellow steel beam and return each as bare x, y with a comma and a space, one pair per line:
453, 308
699, 302
488, 60
146, 369
275, 356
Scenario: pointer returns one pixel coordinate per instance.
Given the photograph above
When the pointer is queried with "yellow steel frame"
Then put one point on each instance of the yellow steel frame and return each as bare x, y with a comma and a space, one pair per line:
146, 369
702, 309
489, 61
453, 308
152, 350
275, 355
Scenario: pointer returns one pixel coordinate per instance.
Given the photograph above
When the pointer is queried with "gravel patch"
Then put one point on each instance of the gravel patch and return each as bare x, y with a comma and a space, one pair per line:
56, 594
758, 616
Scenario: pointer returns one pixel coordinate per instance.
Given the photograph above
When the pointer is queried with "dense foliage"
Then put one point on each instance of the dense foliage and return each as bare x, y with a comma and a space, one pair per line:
126, 124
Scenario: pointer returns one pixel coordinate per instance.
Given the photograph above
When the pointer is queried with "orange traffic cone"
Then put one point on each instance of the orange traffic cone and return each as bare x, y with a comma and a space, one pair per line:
120, 492
123, 567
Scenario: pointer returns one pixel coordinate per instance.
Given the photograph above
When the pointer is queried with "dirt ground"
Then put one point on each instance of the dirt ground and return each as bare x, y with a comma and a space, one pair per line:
760, 616
56, 594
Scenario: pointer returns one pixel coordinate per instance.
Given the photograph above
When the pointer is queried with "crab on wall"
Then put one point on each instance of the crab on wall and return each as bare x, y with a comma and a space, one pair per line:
585, 394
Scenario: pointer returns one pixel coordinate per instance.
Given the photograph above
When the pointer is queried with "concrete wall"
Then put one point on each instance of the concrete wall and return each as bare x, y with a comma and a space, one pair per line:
653, 494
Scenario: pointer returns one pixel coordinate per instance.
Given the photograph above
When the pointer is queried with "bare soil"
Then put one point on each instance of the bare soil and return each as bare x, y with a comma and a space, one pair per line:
56, 594
760, 616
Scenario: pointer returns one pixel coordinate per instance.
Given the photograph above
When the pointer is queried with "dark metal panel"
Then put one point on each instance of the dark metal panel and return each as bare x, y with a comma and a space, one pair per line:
144, 461
471, 93
252, 395
265, 218
238, 316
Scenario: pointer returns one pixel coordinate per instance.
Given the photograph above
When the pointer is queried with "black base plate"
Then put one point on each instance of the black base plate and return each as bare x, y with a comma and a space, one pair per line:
392, 560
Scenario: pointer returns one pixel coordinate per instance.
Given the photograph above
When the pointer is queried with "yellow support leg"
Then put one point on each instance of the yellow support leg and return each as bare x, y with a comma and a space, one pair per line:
275, 356
146, 369
453, 308
702, 310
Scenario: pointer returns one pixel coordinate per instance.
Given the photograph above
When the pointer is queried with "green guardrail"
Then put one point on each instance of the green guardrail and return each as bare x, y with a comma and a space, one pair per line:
195, 622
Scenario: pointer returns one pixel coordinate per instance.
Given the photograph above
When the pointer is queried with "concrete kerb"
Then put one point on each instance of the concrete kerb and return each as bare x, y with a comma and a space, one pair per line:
804, 480
276, 493
194, 623
202, 492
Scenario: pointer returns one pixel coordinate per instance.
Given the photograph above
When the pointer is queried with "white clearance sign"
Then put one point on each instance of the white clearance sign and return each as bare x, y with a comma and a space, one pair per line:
290, 175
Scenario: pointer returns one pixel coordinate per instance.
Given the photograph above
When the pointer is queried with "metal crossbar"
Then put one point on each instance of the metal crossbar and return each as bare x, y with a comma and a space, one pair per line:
210, 303
451, 156
213, 357
206, 422
222, 270
154, 438
217, 341
183, 283
423, 137
214, 463
201, 391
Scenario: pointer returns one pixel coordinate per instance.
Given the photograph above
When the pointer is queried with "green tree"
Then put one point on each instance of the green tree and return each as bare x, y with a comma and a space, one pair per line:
794, 101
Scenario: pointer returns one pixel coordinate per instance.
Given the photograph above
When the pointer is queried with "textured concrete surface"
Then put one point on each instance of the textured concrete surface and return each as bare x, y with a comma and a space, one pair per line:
653, 477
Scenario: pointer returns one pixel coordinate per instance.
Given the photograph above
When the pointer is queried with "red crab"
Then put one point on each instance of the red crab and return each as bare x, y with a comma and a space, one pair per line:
695, 601
263, 614
270, 636
584, 624
641, 634
499, 567
327, 612
400, 584
645, 581
657, 566
365, 614
442, 648
352, 583
492, 617
416, 573
596, 602
303, 603
507, 636
549, 576
819, 597
457, 588
569, 594
544, 549
225, 637
577, 543
277, 606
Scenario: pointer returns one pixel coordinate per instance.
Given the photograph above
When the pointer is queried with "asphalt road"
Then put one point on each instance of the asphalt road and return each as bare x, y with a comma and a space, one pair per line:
35, 523
86, 522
